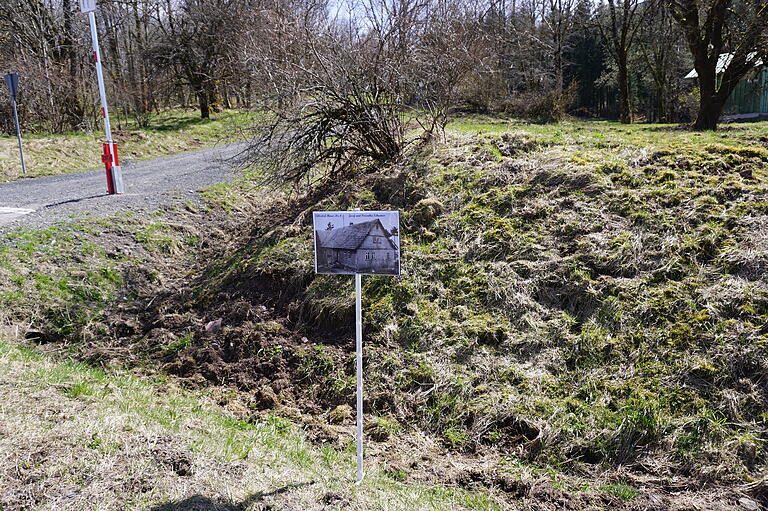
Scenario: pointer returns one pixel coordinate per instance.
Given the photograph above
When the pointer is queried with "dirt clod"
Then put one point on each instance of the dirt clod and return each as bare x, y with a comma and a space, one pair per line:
340, 414
213, 326
178, 461
267, 398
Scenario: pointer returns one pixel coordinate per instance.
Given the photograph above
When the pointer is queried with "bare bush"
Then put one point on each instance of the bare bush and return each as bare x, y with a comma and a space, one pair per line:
330, 135
550, 107
344, 100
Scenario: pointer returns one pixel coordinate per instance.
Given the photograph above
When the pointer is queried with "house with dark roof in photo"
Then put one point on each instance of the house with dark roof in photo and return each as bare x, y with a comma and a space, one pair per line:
366, 247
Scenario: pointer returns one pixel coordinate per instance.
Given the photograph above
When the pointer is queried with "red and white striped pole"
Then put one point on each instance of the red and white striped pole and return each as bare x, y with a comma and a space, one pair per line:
109, 157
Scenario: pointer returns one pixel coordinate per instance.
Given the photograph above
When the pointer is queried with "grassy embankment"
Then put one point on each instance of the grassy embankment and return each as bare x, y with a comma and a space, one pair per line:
76, 437
583, 308
170, 132
574, 297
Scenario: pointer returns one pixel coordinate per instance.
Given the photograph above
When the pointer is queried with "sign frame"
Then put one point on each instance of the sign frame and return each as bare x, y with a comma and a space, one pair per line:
357, 242
87, 6
12, 82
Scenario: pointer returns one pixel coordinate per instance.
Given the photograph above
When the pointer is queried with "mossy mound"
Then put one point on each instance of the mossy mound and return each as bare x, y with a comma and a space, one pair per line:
569, 298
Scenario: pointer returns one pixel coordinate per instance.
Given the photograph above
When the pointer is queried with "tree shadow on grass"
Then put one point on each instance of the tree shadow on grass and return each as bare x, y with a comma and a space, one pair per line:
201, 503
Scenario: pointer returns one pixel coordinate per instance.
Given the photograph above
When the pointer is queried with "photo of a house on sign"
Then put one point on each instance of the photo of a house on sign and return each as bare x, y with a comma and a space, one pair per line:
364, 242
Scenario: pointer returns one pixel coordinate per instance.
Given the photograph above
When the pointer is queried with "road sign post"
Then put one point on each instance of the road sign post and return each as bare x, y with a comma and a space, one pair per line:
360, 243
109, 157
12, 81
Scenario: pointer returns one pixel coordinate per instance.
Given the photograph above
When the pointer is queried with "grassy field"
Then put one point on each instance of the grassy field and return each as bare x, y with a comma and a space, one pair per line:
169, 133
593, 291
582, 323
77, 437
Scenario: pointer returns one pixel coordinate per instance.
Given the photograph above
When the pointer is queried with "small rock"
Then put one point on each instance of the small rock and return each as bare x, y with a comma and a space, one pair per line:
213, 326
749, 504
340, 414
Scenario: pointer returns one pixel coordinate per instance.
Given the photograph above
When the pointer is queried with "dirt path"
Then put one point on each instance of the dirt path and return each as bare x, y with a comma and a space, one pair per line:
148, 184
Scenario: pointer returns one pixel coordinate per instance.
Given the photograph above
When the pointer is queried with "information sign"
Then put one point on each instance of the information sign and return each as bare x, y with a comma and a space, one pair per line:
357, 243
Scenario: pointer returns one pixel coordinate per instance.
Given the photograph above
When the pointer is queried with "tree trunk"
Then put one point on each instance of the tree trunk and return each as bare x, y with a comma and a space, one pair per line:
706, 40
660, 100
709, 115
709, 106
659, 113
559, 74
214, 97
625, 108
202, 98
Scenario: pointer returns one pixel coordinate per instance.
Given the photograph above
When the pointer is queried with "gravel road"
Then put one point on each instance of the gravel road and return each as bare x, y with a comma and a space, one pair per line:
149, 184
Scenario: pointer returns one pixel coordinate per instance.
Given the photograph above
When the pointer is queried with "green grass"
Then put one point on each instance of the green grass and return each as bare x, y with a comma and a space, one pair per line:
168, 133
600, 280
575, 298
623, 491
63, 278
57, 271
107, 426
608, 142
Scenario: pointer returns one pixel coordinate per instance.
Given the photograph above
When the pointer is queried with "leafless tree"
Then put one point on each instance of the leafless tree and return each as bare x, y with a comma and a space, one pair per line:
193, 47
618, 22
712, 27
345, 95
662, 52
559, 22
516, 56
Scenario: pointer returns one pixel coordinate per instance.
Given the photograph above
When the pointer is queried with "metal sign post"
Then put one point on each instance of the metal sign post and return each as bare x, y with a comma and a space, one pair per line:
12, 81
360, 243
359, 361
109, 157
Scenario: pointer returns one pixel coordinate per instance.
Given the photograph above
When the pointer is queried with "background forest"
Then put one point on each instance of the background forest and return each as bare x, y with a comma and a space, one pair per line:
540, 59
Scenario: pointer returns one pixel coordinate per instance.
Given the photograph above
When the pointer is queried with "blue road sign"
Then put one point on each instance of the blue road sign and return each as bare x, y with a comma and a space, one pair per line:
12, 81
